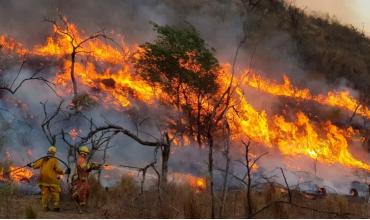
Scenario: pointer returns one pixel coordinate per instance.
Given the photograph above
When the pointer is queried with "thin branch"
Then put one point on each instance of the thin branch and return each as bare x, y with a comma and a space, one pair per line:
18, 73
286, 184
32, 77
46, 123
119, 129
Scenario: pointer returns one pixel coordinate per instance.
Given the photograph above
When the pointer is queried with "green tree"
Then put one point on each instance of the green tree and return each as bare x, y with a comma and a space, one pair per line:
181, 64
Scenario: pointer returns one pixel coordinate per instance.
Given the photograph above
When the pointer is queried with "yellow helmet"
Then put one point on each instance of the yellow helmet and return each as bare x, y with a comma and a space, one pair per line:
52, 150
84, 149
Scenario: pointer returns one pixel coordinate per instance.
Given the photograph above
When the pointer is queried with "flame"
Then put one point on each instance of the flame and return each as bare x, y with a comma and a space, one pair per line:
8, 44
117, 81
197, 183
61, 44
324, 142
108, 167
17, 174
29, 152
73, 133
108, 73
116, 87
340, 99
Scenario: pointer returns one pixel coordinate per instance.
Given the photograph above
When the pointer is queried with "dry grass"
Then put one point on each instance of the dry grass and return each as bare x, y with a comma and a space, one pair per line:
175, 201
180, 201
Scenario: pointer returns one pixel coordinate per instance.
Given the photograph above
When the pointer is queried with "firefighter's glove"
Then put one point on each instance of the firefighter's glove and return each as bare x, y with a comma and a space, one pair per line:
68, 171
29, 165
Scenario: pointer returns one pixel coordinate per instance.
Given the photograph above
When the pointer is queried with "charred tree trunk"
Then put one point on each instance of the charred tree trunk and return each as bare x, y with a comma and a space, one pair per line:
227, 167
165, 157
74, 83
166, 151
353, 114
210, 170
199, 122
248, 208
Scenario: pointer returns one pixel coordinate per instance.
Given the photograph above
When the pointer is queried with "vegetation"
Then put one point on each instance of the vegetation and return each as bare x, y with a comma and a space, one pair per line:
31, 213
180, 64
323, 45
181, 201
6, 200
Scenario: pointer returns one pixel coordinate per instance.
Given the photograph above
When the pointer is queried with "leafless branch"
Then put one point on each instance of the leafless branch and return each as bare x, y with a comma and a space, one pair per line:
34, 76
143, 170
119, 129
286, 184
301, 207
46, 123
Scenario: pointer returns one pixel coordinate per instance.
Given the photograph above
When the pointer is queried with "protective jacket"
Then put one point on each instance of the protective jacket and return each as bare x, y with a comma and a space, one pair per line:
80, 183
48, 180
49, 171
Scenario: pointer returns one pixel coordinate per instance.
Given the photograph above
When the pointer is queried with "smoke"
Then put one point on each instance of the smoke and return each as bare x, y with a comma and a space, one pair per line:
219, 22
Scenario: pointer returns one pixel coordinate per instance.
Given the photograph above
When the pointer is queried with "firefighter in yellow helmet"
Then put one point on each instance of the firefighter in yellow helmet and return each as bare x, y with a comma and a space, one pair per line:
48, 180
80, 178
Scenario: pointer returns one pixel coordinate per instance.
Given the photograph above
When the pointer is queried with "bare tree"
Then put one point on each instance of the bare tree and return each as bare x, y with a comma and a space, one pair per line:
249, 164
166, 151
46, 124
99, 141
226, 153
138, 120
213, 120
75, 43
99, 136
144, 170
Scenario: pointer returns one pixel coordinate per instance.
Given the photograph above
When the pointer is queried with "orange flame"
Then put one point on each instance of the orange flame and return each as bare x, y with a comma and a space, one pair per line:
17, 174
10, 45
117, 85
117, 81
340, 99
324, 142
73, 133
198, 183
108, 167
29, 152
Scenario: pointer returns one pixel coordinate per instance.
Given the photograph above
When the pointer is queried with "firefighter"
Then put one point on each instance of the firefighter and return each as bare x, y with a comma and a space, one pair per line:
80, 178
49, 178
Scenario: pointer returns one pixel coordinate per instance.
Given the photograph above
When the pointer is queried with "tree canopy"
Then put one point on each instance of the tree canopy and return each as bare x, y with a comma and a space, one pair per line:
178, 57
182, 65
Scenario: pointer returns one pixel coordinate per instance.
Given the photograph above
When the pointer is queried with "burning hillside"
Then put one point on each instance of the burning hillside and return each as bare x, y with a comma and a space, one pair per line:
148, 108
118, 86
339, 99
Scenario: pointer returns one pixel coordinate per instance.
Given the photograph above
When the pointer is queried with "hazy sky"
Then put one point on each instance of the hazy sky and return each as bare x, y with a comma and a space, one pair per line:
355, 12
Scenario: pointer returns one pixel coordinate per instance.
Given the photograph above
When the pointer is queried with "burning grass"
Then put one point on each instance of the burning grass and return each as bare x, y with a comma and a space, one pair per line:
15, 174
